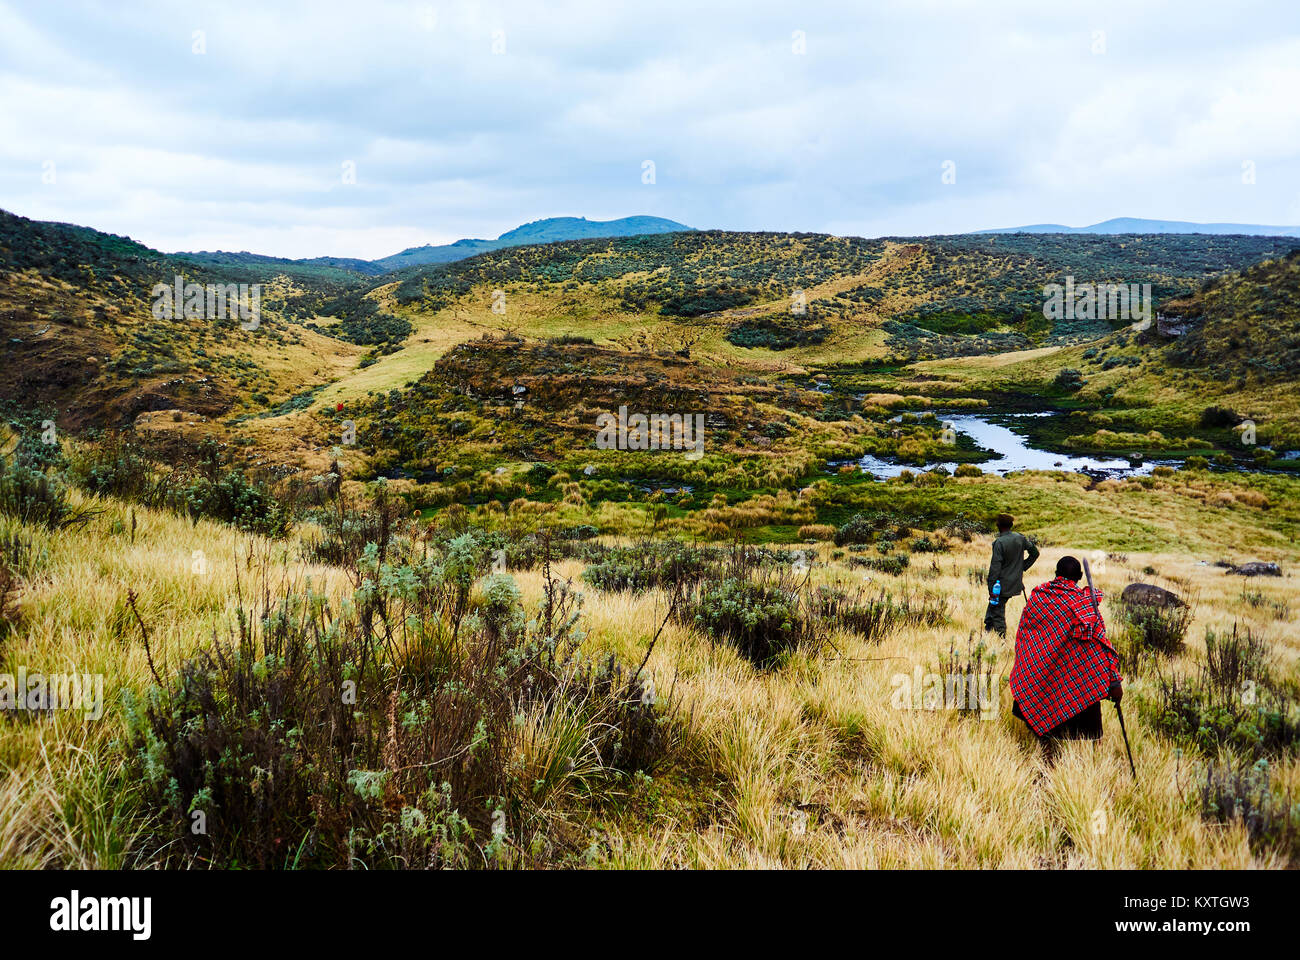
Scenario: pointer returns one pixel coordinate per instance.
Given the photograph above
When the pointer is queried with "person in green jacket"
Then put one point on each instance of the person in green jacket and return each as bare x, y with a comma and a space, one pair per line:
1013, 554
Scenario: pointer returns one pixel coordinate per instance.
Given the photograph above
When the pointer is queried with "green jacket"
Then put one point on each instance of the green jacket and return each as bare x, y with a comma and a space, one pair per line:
1009, 563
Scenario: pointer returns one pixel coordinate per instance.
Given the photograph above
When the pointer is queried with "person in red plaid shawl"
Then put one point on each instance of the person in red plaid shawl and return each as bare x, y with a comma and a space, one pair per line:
1064, 665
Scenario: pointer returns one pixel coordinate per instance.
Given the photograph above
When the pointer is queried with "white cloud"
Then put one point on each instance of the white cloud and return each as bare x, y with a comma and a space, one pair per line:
241, 147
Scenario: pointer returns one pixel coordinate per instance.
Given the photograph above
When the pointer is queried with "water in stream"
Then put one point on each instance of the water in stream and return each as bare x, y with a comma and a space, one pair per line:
995, 432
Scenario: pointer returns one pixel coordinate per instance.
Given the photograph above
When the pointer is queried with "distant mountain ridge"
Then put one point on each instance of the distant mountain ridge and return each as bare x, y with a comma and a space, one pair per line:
550, 230
1138, 225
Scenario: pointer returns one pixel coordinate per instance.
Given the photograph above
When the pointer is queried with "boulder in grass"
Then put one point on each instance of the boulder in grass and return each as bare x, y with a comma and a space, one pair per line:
1257, 568
1149, 595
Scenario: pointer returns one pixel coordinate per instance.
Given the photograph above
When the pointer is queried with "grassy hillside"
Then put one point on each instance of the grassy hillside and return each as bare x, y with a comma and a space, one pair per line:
338, 269
1238, 360
761, 316
1244, 325
81, 341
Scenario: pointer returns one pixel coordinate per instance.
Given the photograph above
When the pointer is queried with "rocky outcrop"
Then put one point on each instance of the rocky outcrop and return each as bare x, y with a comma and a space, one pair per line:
1171, 325
1149, 595
1257, 568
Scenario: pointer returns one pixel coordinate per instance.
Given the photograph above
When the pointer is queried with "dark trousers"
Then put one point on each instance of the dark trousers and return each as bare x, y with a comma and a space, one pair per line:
995, 616
1085, 725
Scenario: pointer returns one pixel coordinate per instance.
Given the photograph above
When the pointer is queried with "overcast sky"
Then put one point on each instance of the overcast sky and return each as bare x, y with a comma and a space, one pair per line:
467, 119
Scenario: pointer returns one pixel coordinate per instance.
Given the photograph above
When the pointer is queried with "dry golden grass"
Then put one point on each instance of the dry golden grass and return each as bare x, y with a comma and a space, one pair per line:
820, 769
811, 764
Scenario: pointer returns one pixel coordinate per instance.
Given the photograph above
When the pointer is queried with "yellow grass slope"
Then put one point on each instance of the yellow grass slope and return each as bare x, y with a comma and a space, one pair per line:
813, 764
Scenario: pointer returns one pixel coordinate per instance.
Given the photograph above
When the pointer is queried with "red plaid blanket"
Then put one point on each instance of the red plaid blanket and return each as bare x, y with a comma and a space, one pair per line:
1062, 667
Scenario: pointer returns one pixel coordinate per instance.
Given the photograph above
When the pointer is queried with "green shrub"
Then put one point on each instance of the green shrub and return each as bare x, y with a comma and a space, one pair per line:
583, 531
399, 731
893, 564
964, 528
694, 303
117, 466
645, 566
1152, 629
1068, 379
1219, 417
1233, 701
33, 497
1271, 820
775, 333
233, 498
858, 529
763, 621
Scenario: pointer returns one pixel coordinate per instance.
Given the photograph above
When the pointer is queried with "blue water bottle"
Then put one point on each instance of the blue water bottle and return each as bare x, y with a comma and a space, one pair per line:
997, 592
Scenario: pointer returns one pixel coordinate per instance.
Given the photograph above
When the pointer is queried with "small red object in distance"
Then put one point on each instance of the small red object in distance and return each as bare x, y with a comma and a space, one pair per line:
340, 406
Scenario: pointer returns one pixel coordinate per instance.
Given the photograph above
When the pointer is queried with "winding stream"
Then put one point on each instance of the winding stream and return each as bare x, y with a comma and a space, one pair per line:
995, 432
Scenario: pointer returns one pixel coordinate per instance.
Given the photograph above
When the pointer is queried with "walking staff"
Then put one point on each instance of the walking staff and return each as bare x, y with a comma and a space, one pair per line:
1119, 710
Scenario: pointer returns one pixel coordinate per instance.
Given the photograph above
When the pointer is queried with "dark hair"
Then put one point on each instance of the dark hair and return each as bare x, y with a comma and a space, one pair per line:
1004, 521
1069, 568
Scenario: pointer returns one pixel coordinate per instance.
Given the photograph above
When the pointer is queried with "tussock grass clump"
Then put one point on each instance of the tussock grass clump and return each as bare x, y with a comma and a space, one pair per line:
874, 619
924, 609
816, 531
20, 555
8, 607
849, 609
969, 677
893, 564
1278, 607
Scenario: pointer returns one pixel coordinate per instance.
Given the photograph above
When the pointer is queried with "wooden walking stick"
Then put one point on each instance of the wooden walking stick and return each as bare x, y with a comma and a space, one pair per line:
1119, 711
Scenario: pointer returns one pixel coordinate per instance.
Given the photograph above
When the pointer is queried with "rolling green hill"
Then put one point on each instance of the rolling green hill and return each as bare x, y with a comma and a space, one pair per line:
341, 269
1243, 323
762, 307
932, 296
